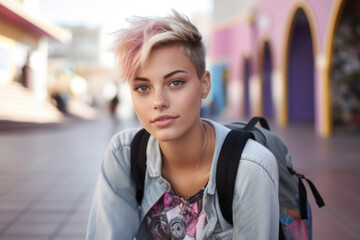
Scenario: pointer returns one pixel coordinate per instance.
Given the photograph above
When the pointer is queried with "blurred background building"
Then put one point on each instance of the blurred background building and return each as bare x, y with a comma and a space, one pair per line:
34, 86
23, 63
291, 61
76, 72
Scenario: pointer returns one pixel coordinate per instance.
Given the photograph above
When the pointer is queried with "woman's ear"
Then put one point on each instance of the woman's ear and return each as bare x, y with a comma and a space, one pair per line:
205, 84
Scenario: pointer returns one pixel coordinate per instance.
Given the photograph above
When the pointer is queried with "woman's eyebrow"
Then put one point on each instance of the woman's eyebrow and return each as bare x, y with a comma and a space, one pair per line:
166, 76
141, 79
174, 72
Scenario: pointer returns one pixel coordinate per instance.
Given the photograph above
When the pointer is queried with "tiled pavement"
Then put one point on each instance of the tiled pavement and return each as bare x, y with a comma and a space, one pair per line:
47, 179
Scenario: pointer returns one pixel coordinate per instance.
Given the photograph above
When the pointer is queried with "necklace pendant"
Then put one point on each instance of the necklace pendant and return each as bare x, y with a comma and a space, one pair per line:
182, 210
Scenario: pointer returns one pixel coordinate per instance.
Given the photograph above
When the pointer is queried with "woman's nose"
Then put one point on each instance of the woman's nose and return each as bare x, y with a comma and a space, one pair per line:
160, 101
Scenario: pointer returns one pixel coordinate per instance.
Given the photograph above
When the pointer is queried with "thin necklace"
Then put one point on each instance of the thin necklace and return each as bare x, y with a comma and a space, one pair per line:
182, 207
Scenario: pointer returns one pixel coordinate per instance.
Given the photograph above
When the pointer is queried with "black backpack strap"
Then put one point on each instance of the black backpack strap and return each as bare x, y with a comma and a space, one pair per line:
281, 233
303, 195
226, 172
227, 167
138, 162
251, 124
303, 200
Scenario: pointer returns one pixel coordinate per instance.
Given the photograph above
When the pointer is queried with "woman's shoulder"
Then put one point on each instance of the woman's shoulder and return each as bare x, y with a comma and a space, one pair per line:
124, 138
255, 159
253, 151
261, 157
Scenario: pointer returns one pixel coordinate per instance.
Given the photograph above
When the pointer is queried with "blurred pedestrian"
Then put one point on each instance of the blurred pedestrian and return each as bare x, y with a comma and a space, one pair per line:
163, 61
113, 104
60, 102
26, 74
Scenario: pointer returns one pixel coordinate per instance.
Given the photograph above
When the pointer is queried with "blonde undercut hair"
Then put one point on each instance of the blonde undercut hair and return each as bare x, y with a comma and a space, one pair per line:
134, 44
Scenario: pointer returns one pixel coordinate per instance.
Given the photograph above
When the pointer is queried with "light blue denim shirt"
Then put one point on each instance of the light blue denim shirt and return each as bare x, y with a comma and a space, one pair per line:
115, 213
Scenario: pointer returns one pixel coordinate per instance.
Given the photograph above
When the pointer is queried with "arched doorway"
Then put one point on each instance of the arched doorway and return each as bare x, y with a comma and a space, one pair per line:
247, 76
266, 83
345, 71
301, 72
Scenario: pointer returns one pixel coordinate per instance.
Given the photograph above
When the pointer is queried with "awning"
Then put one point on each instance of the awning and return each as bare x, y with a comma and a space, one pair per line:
14, 13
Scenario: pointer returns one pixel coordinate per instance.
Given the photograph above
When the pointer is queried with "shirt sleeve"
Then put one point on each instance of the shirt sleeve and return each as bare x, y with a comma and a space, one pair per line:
256, 204
114, 213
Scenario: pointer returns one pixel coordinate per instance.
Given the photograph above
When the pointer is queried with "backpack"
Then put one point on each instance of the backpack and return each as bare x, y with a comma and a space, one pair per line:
295, 212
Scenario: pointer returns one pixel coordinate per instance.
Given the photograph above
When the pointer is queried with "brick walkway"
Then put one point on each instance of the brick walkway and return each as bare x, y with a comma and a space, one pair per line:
47, 179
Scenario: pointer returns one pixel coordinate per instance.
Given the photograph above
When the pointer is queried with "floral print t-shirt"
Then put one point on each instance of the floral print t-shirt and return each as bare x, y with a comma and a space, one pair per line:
173, 217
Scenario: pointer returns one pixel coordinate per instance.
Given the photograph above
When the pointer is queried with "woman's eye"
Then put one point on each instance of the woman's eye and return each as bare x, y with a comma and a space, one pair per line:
176, 83
142, 89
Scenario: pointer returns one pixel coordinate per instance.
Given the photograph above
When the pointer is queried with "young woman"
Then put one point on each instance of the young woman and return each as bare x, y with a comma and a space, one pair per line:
163, 61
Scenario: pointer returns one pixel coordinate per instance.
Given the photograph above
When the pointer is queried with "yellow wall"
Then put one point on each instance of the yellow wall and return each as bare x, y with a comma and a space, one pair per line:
325, 68
18, 34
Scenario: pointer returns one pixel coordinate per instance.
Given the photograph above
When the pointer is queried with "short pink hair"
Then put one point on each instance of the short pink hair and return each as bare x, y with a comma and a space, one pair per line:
133, 45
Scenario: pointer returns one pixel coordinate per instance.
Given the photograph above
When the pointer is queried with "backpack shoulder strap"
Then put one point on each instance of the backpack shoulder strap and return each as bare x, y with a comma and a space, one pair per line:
138, 162
226, 172
227, 167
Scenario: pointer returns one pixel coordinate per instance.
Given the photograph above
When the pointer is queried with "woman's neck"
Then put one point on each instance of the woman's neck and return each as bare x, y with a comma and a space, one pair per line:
187, 161
185, 151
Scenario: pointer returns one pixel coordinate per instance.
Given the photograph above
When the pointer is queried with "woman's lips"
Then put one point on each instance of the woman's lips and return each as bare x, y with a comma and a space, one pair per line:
163, 121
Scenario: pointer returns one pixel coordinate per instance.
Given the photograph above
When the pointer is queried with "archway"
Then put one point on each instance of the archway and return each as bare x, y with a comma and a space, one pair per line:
345, 71
301, 72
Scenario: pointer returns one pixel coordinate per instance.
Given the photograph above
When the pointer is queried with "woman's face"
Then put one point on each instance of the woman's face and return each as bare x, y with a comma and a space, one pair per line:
167, 94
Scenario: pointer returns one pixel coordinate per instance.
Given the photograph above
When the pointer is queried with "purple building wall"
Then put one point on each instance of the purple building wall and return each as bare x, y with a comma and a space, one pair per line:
247, 75
268, 108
